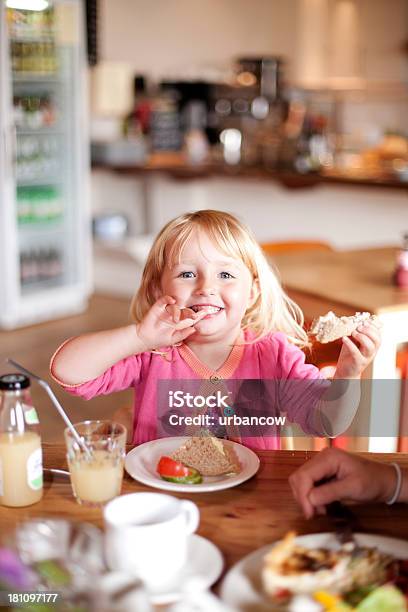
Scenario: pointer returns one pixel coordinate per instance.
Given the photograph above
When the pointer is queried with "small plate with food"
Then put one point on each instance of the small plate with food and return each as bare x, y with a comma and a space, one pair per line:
191, 464
315, 573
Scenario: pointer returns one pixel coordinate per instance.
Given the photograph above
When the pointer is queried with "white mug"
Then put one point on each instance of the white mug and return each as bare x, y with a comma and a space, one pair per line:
147, 534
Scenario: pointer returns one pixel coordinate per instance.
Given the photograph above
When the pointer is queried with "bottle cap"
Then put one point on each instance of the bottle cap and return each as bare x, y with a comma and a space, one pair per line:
14, 382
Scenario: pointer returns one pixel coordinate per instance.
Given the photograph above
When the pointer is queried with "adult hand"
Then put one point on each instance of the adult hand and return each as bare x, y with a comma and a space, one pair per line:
351, 478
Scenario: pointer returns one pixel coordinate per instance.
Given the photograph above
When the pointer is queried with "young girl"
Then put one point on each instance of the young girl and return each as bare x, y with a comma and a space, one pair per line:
209, 307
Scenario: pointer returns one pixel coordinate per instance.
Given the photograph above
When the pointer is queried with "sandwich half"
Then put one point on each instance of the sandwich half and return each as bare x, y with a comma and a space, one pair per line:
209, 455
329, 327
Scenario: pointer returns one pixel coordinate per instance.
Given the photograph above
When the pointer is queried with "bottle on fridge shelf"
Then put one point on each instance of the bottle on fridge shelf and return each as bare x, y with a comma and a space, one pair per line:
33, 112
47, 110
21, 472
23, 205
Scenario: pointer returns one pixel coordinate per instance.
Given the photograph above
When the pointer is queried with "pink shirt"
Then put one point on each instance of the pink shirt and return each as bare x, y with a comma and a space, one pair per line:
272, 357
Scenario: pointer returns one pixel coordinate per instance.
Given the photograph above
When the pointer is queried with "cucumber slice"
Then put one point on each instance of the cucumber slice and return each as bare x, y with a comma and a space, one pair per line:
194, 477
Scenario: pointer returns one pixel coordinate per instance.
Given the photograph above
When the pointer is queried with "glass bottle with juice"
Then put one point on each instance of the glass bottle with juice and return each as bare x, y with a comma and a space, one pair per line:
21, 471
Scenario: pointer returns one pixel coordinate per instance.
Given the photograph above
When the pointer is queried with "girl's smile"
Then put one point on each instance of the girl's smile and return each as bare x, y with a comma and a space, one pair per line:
211, 309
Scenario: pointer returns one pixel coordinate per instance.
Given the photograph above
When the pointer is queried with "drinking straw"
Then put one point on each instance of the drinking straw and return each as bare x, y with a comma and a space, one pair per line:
43, 383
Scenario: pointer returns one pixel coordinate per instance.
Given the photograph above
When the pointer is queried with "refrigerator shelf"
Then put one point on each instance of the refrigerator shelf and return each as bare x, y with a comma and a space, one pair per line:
39, 182
39, 132
28, 77
44, 179
50, 38
33, 287
36, 229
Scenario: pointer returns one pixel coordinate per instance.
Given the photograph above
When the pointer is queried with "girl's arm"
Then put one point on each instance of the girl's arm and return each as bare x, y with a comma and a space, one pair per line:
87, 357
338, 406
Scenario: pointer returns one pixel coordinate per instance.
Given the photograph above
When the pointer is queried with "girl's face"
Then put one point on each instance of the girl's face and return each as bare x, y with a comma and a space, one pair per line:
206, 278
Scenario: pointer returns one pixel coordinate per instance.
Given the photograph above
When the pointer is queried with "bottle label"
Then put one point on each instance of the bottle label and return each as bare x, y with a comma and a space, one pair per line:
31, 416
35, 470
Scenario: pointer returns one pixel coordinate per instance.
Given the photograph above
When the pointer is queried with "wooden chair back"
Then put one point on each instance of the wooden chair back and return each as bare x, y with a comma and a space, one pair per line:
273, 248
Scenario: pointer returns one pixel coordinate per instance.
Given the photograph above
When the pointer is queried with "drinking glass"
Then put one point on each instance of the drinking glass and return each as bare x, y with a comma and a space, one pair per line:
96, 478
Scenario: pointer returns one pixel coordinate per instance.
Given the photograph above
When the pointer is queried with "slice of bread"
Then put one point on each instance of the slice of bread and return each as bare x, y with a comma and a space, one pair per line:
209, 455
329, 327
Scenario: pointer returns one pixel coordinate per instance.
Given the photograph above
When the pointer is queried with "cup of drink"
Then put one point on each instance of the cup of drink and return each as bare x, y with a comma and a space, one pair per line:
147, 534
96, 477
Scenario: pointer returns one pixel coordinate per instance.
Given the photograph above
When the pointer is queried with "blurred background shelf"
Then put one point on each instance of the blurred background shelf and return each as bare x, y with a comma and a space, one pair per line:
181, 170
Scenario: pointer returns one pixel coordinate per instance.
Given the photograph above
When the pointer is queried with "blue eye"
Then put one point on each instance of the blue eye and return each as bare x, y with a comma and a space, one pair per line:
226, 275
186, 275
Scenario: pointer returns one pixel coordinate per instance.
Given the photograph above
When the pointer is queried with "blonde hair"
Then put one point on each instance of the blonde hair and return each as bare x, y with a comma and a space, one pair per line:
272, 310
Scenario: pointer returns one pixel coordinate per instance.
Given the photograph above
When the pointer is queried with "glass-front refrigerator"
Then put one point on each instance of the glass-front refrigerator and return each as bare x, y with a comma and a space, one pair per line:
45, 242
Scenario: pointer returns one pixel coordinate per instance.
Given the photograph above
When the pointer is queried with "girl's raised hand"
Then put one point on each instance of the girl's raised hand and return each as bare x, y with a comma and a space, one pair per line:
166, 323
356, 356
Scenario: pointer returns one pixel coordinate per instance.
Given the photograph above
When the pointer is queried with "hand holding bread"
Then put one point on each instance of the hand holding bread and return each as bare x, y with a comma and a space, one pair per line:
361, 339
358, 351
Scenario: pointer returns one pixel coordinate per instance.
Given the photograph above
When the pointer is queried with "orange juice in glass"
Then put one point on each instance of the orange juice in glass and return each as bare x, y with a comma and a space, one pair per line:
96, 478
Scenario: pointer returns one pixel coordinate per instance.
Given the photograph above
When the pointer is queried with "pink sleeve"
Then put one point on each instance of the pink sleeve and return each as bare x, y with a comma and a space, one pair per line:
120, 376
301, 386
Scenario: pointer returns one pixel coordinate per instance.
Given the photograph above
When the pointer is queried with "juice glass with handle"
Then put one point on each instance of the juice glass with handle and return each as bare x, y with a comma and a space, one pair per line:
97, 477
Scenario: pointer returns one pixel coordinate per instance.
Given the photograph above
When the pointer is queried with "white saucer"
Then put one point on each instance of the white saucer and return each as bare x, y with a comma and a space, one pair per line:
204, 561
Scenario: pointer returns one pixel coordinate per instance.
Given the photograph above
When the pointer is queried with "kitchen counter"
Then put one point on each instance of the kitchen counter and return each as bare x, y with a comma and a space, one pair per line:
175, 167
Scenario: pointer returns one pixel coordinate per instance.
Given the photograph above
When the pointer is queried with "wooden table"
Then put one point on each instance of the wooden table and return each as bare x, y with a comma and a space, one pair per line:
346, 282
237, 520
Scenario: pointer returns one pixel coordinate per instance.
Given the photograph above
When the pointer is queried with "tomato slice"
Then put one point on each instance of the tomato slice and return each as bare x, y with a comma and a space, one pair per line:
282, 594
168, 467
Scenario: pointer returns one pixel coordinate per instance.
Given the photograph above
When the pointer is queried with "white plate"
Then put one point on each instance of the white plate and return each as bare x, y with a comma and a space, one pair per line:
141, 463
204, 562
242, 587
